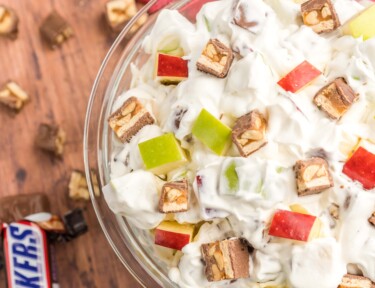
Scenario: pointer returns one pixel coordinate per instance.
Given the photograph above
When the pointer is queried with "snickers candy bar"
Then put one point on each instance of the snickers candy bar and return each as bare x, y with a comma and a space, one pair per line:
55, 30
8, 22
119, 12
226, 259
78, 189
354, 281
13, 96
174, 197
312, 176
320, 15
248, 133
372, 219
131, 117
335, 98
215, 59
51, 138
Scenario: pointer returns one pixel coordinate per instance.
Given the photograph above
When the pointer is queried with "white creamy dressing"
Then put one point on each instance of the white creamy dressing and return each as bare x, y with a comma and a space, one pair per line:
296, 130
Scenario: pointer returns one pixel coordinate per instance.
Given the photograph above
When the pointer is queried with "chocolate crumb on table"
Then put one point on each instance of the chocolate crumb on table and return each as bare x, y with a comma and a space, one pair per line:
55, 30
8, 22
51, 138
13, 96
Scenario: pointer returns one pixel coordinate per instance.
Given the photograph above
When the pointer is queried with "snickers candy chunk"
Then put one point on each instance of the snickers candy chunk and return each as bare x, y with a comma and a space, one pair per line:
354, 281
129, 119
320, 15
55, 30
372, 219
119, 12
215, 59
313, 176
8, 22
335, 98
174, 197
51, 138
249, 133
13, 96
78, 189
226, 260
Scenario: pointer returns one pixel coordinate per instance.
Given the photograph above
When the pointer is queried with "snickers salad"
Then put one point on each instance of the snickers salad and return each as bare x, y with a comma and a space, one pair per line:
245, 146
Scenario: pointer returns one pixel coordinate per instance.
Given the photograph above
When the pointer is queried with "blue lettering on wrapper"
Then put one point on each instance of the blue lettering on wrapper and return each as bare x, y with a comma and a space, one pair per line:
24, 251
24, 265
14, 231
28, 282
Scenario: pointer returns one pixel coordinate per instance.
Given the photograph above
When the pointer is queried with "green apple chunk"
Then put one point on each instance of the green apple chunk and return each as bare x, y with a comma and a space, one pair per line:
162, 154
212, 132
229, 182
363, 24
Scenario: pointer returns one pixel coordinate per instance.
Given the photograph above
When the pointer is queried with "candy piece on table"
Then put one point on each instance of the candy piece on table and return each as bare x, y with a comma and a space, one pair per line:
249, 133
162, 154
294, 226
170, 69
362, 25
75, 223
372, 219
55, 30
335, 98
226, 259
53, 224
131, 117
139, 23
361, 167
229, 182
78, 189
119, 12
320, 15
174, 197
215, 59
173, 235
13, 96
312, 176
299, 77
212, 132
8, 22
51, 138
354, 281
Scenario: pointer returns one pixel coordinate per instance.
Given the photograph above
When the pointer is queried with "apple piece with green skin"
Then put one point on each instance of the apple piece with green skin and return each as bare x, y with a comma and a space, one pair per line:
362, 24
162, 154
294, 226
173, 235
361, 167
299, 77
212, 132
229, 182
170, 69
171, 46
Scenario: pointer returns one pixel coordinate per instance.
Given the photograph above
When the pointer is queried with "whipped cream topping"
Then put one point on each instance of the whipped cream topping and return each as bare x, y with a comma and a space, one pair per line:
296, 130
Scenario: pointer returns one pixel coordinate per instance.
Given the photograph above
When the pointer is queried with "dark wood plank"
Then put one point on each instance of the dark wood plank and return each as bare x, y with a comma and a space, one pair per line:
59, 84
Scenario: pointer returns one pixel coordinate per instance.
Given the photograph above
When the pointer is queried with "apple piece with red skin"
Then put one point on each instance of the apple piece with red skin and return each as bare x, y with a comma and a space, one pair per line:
294, 226
173, 235
361, 167
170, 69
299, 77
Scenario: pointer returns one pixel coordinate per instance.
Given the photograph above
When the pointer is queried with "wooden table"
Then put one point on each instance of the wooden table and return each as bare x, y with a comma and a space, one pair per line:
59, 83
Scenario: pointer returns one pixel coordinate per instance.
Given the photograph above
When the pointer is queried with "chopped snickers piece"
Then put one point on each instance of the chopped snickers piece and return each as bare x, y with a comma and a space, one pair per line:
55, 30
8, 22
320, 15
354, 281
174, 197
227, 259
372, 219
119, 12
13, 96
78, 189
215, 59
335, 98
129, 119
313, 176
51, 138
248, 133
75, 223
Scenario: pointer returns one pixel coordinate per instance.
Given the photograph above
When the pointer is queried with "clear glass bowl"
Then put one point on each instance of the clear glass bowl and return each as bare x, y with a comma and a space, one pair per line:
133, 246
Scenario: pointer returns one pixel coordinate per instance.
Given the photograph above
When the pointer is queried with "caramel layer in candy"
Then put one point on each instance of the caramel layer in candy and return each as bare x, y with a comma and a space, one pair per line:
51, 138
55, 30
248, 133
313, 176
13, 96
372, 219
129, 119
8, 22
119, 12
226, 259
335, 98
320, 15
354, 281
174, 197
215, 59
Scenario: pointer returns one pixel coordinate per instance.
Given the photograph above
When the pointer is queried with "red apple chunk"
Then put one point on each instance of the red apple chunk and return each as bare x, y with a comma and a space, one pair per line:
299, 77
361, 167
173, 235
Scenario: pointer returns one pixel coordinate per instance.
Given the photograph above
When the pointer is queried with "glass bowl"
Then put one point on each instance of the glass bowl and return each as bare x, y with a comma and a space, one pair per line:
133, 246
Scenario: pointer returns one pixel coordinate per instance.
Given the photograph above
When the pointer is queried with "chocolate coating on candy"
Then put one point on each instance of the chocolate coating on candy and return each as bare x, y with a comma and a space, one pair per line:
51, 138
174, 197
55, 30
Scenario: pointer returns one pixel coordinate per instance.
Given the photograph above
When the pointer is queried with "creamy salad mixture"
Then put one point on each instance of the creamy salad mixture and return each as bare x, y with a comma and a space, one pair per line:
296, 130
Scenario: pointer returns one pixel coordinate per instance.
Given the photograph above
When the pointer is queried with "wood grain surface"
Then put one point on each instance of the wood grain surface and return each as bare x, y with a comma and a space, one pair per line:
59, 83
